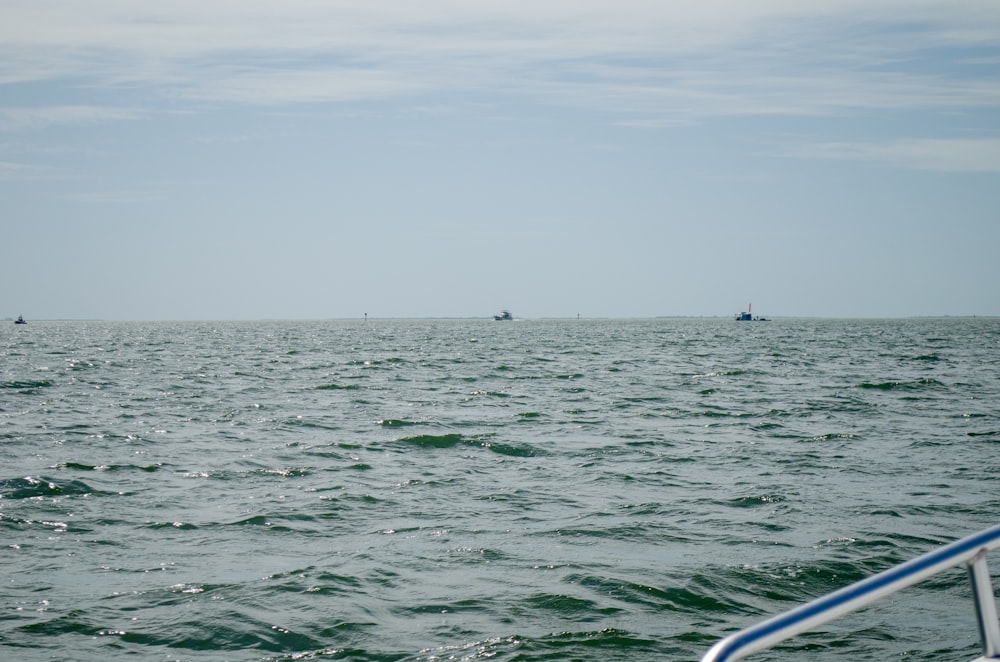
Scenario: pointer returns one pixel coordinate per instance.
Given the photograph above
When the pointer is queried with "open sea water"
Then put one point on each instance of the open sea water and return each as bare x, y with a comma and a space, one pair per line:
465, 490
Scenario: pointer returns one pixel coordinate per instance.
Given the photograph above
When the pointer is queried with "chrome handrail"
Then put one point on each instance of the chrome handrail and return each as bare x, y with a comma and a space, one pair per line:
970, 550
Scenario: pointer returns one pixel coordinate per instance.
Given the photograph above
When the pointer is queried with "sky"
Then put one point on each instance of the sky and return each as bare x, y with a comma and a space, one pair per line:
317, 159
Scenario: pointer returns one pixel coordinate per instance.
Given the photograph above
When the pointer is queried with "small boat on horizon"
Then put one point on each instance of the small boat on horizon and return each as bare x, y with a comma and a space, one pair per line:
503, 315
747, 317
20, 320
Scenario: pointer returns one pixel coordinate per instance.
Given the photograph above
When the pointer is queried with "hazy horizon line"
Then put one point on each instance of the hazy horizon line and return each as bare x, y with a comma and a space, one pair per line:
392, 318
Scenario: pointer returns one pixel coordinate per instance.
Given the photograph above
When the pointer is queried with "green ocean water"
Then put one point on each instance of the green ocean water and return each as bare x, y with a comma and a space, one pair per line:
470, 489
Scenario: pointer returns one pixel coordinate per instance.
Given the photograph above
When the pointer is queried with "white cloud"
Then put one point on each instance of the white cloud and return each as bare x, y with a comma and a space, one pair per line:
942, 155
670, 97
16, 171
656, 61
115, 197
291, 85
31, 117
11, 170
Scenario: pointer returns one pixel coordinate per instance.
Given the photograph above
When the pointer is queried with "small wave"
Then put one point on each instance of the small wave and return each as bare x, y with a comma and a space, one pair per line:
300, 422
181, 526
396, 423
109, 467
442, 441
832, 436
756, 500
737, 372
927, 357
492, 394
433, 440
458, 606
568, 645
511, 450
568, 606
283, 473
886, 512
224, 630
30, 488
77, 428
628, 532
337, 387
784, 584
374, 363
766, 427
474, 650
275, 523
26, 385
894, 385
479, 554
695, 597
644, 399
336, 584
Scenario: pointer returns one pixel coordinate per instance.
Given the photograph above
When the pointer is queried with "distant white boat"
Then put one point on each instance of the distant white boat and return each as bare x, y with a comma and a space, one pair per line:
503, 315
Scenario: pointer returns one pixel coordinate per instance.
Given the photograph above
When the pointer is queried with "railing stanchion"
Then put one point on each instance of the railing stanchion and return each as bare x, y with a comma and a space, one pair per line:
986, 605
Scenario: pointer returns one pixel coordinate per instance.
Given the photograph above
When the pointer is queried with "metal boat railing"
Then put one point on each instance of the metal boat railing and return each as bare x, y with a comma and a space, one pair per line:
970, 551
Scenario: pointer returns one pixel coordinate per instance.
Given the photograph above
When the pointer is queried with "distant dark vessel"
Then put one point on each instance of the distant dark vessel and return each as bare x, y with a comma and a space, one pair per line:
747, 317
19, 320
503, 315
